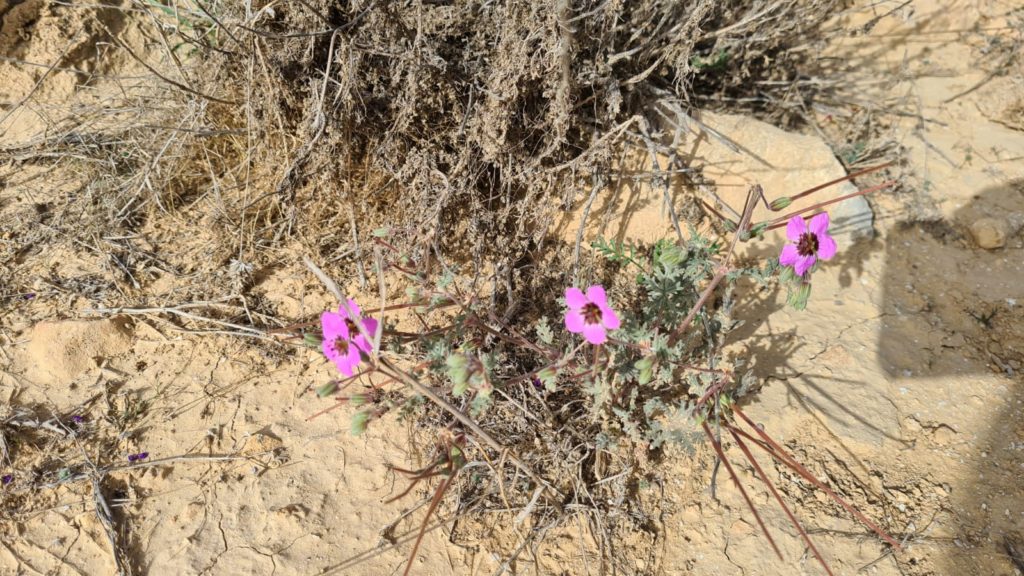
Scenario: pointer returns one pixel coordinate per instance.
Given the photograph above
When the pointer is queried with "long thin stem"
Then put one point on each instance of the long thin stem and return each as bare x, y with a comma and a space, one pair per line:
736, 480
810, 191
780, 453
423, 527
783, 220
775, 493
723, 269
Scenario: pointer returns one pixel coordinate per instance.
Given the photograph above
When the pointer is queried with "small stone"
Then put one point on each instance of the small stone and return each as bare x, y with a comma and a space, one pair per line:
954, 341
989, 233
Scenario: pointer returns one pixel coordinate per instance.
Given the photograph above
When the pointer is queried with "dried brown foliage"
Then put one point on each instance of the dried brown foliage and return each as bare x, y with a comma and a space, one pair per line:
469, 124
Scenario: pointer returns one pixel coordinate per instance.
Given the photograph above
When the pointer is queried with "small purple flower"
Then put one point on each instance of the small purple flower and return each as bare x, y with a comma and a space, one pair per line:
7, 479
138, 457
29, 296
590, 314
343, 343
77, 419
811, 243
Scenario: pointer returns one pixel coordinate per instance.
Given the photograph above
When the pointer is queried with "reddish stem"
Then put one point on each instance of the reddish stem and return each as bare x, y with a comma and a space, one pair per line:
783, 220
780, 453
775, 493
423, 527
810, 191
736, 481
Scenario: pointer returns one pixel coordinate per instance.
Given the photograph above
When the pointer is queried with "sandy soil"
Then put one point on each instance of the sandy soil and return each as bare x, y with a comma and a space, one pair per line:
900, 386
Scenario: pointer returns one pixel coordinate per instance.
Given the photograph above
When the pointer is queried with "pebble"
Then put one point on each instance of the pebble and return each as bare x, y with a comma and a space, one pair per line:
989, 233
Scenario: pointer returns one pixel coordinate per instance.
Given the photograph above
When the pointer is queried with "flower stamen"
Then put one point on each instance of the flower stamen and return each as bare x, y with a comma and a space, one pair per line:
808, 245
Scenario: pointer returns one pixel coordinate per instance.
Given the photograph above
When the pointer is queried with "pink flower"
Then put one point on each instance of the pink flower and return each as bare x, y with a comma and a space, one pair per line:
590, 314
811, 242
343, 344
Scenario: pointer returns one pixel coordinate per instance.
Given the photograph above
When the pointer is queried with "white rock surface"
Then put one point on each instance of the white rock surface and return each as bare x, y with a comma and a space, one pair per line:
738, 152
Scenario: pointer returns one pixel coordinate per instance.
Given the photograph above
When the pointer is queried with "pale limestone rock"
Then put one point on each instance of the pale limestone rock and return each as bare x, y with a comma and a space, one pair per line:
782, 163
989, 233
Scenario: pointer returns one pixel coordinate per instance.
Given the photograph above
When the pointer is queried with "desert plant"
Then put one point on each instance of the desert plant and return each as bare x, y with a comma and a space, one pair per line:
633, 376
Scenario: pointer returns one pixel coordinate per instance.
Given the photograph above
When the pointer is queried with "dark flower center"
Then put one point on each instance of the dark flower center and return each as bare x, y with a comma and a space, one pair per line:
353, 330
808, 244
591, 313
341, 345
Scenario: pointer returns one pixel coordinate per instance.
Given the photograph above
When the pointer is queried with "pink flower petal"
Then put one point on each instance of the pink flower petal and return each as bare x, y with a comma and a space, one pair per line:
596, 295
789, 255
595, 333
344, 365
354, 358
327, 346
333, 325
819, 224
826, 247
574, 298
803, 264
574, 321
609, 318
370, 325
795, 228
352, 307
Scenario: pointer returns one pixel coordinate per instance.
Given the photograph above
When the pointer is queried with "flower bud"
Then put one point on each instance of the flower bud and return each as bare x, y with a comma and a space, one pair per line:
798, 297
327, 389
359, 422
312, 340
787, 275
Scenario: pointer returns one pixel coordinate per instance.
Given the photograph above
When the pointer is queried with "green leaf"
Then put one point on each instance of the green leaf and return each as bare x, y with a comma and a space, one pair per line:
479, 404
412, 293
616, 251
645, 370
714, 61
445, 280
457, 457
458, 371
382, 232
544, 332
